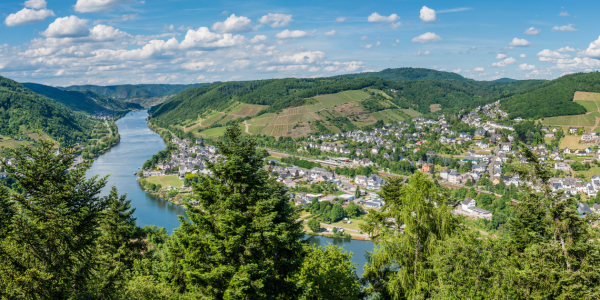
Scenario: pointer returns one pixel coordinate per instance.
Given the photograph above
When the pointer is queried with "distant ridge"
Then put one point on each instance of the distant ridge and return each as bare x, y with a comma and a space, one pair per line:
506, 80
85, 101
411, 74
127, 91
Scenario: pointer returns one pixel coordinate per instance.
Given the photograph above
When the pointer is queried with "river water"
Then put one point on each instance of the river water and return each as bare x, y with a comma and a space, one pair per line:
138, 144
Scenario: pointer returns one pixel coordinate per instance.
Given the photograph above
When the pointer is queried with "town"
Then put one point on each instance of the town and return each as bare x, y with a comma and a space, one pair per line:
472, 151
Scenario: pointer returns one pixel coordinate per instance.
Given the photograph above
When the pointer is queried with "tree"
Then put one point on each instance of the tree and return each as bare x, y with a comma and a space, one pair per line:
243, 239
357, 193
314, 225
352, 210
400, 266
50, 232
337, 213
328, 273
120, 244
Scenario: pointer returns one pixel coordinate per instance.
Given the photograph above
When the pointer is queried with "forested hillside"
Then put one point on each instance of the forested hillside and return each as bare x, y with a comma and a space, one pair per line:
553, 98
23, 111
410, 74
85, 101
133, 91
278, 94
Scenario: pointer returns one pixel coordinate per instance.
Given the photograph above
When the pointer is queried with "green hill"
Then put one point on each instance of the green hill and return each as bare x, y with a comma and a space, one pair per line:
505, 80
126, 91
84, 101
553, 98
23, 112
410, 74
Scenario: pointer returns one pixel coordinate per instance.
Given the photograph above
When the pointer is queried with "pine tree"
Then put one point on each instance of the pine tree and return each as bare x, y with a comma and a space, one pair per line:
120, 244
48, 249
357, 193
243, 240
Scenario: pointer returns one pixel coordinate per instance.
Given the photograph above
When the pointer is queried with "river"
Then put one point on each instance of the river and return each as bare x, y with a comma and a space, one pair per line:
138, 144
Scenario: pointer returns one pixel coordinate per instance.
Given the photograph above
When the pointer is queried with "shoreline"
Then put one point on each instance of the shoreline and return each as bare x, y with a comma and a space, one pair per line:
354, 236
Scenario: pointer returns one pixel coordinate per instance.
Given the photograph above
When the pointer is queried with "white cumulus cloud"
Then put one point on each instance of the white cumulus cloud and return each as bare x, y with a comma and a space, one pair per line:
35, 4
427, 37
566, 49
563, 14
479, 69
526, 67
522, 55
276, 20
500, 56
233, 24
593, 50
564, 28
287, 34
516, 42
258, 38
330, 33
28, 16
457, 70
84, 6
340, 19
532, 31
427, 14
377, 18
70, 26
506, 62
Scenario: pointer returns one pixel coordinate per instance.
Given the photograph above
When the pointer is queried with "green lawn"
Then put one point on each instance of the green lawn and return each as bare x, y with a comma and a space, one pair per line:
576, 120
166, 181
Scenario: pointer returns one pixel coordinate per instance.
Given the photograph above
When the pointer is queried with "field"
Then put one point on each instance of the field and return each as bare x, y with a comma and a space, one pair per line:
585, 96
411, 112
299, 121
589, 173
572, 142
435, 107
576, 120
217, 131
283, 123
165, 181
590, 106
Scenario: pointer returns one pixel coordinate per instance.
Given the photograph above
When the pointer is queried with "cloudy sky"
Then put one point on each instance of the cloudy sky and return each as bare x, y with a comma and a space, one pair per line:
65, 42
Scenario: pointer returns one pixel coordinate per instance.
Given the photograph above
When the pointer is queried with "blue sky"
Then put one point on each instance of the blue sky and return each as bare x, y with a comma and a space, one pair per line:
65, 42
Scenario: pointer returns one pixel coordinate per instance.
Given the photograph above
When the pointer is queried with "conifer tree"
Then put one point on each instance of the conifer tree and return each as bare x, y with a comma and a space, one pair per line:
120, 244
243, 241
414, 219
48, 249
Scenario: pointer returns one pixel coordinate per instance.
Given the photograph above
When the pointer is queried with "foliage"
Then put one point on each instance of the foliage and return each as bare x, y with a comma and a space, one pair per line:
554, 98
399, 266
328, 273
49, 237
20, 107
314, 225
243, 239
